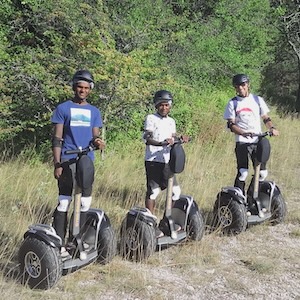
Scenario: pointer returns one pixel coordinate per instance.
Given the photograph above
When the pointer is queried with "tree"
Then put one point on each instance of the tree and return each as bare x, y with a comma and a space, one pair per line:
235, 37
186, 46
291, 28
281, 84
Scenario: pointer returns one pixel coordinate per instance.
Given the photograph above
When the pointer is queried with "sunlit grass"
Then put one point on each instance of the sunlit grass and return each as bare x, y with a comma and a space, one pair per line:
28, 194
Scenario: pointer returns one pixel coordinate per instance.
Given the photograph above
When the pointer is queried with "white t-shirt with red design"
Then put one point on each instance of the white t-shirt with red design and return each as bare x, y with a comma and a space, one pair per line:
247, 115
162, 128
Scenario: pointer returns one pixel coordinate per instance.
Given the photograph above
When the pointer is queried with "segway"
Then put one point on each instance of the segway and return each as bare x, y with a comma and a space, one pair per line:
181, 222
234, 212
41, 263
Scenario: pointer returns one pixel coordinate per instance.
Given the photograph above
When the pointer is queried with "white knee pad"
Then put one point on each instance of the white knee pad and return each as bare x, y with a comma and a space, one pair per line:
85, 203
244, 174
64, 203
176, 192
155, 193
263, 175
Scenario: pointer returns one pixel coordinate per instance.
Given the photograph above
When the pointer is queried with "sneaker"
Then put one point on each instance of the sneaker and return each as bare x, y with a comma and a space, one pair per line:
86, 246
64, 253
158, 232
150, 214
177, 227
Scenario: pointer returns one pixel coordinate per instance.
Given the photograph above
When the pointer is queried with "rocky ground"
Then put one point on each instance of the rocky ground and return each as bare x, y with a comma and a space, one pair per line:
261, 263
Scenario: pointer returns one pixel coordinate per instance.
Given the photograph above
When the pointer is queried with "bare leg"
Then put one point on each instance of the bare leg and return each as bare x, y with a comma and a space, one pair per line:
150, 204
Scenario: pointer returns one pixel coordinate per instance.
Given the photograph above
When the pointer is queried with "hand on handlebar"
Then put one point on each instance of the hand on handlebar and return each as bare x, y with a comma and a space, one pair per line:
185, 138
271, 132
57, 172
274, 132
98, 143
170, 141
248, 134
176, 140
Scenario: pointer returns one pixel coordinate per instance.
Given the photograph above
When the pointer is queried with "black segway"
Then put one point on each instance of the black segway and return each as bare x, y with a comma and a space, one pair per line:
40, 260
181, 222
233, 211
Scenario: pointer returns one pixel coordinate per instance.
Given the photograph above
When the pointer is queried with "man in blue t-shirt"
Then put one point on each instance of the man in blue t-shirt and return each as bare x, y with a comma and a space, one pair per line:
76, 124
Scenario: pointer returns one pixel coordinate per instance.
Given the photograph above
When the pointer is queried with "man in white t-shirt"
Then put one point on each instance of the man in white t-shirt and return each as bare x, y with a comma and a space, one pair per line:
244, 113
159, 134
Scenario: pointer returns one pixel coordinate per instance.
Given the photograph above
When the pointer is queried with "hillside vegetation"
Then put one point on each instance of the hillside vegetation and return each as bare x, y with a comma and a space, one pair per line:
134, 48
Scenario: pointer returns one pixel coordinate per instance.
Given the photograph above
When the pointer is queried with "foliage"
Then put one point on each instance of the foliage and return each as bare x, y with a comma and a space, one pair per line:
281, 82
190, 47
224, 43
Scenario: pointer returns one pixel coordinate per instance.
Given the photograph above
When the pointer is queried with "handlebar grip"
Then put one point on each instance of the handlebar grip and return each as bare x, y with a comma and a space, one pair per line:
179, 140
80, 150
262, 134
76, 151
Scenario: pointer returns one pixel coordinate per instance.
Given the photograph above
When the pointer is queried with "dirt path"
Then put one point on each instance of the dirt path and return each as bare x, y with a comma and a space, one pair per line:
261, 263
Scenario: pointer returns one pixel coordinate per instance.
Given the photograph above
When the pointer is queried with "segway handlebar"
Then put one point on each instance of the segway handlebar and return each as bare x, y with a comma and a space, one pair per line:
180, 140
81, 150
261, 135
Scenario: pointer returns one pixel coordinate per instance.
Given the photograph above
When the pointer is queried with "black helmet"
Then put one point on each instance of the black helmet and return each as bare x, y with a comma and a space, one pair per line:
239, 79
162, 96
83, 75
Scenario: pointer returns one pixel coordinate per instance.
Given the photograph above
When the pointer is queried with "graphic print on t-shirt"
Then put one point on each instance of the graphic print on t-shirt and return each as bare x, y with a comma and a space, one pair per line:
80, 117
246, 118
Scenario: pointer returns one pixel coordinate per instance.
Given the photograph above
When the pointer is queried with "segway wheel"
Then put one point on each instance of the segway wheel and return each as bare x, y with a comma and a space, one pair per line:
138, 240
107, 245
195, 226
230, 215
40, 264
278, 209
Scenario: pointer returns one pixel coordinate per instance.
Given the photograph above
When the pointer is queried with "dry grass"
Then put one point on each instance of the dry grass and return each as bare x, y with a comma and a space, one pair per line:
28, 195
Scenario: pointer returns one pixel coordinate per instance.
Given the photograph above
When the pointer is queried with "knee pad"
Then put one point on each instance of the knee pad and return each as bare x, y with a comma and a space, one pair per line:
85, 203
63, 203
263, 175
243, 174
155, 193
176, 192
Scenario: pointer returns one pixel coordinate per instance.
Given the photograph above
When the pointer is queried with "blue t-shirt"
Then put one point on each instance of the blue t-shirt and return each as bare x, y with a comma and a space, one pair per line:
78, 120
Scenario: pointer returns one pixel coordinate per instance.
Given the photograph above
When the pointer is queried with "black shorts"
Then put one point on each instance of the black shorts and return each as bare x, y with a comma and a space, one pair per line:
157, 175
80, 171
243, 151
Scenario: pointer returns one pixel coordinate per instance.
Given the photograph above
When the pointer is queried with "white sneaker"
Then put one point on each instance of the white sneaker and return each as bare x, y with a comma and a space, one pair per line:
64, 253
177, 227
158, 232
85, 246
149, 213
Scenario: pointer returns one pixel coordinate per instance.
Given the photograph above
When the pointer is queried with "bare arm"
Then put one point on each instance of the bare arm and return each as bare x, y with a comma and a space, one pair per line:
56, 150
99, 143
269, 124
148, 137
235, 128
